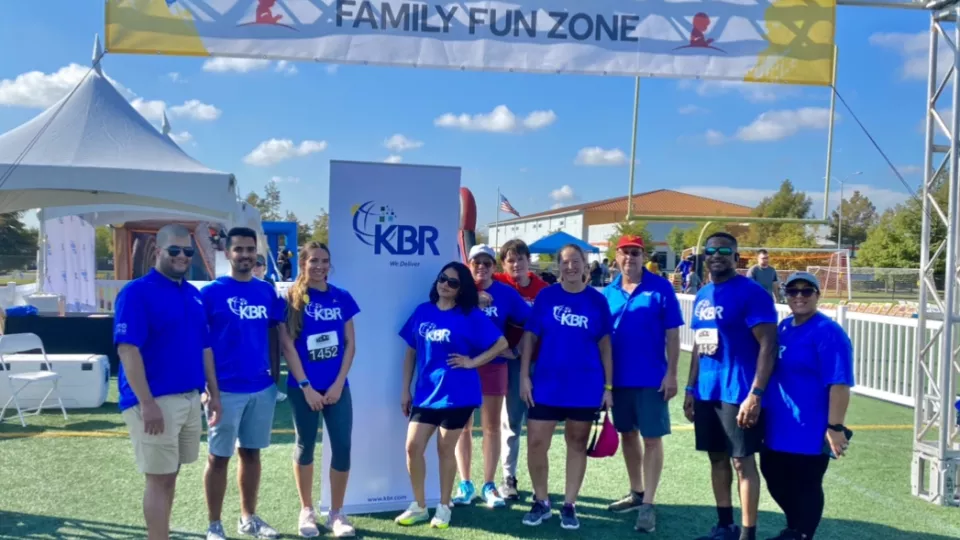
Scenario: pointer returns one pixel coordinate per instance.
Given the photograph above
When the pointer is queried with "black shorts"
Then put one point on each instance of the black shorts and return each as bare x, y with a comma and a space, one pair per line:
716, 430
454, 418
550, 413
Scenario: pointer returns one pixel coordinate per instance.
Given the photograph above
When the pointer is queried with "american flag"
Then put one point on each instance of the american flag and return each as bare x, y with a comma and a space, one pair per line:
505, 206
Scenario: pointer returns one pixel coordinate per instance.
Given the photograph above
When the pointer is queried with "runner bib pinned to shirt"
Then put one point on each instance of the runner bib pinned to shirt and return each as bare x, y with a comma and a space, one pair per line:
707, 340
323, 346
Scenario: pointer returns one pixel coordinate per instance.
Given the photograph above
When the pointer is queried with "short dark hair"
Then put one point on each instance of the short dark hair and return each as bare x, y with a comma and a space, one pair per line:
762, 252
724, 235
468, 296
517, 246
240, 232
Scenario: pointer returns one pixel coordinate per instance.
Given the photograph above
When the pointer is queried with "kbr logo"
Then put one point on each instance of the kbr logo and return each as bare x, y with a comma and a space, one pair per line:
376, 225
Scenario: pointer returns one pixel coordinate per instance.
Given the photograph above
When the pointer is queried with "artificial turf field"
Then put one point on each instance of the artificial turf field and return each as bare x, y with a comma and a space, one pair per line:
76, 479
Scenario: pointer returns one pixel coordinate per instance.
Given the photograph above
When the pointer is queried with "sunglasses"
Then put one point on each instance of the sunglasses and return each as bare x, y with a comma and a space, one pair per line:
486, 263
631, 252
806, 293
174, 251
725, 251
453, 283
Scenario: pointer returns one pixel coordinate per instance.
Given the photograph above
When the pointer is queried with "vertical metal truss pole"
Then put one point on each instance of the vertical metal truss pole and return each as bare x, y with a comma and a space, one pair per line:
935, 451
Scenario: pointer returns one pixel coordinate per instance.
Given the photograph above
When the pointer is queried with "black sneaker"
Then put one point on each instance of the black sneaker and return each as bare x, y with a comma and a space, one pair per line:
729, 532
627, 504
509, 489
788, 534
568, 518
539, 512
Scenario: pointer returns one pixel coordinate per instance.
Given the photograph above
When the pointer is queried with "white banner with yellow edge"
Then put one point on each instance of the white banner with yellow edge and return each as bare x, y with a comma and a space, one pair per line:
776, 41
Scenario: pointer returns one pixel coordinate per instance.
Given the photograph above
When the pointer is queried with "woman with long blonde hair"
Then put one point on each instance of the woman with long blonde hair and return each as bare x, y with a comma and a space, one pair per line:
320, 322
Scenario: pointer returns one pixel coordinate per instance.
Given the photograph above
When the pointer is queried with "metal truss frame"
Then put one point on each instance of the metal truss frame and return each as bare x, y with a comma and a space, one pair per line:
936, 435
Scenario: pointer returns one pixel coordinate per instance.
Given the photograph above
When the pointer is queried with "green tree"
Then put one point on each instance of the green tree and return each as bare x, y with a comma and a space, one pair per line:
303, 229
18, 244
787, 202
859, 216
104, 243
675, 239
268, 204
635, 228
321, 227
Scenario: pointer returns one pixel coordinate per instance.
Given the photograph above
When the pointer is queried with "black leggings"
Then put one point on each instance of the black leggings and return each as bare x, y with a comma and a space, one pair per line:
795, 481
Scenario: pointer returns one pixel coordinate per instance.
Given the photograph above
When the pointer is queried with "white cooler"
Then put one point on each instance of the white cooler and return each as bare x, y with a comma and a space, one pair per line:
84, 380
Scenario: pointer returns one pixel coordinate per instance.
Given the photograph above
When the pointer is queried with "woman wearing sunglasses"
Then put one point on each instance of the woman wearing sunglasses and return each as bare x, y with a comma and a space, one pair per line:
500, 303
573, 380
805, 407
320, 322
447, 338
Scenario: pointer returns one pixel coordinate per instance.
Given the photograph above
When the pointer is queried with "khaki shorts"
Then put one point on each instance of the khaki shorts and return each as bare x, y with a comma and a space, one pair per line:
180, 441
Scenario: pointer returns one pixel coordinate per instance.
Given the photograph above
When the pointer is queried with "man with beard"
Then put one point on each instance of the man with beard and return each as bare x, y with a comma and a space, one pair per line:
735, 339
241, 311
163, 341
515, 259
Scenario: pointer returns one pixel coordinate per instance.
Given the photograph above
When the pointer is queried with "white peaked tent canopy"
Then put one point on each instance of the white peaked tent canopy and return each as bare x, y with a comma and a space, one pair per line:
93, 148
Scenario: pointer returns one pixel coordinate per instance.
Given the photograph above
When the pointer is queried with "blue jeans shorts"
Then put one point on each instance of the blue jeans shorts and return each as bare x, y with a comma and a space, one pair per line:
246, 421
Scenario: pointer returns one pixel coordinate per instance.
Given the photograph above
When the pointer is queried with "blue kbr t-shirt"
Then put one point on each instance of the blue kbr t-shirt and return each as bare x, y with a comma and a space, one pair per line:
435, 335
507, 305
165, 319
241, 314
568, 371
322, 341
728, 311
813, 356
640, 324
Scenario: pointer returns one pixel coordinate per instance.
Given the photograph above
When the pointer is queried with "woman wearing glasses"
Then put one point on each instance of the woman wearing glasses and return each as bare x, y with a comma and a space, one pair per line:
448, 338
500, 303
805, 405
573, 380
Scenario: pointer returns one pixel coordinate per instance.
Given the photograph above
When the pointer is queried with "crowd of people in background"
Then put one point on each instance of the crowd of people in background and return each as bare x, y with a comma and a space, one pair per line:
510, 344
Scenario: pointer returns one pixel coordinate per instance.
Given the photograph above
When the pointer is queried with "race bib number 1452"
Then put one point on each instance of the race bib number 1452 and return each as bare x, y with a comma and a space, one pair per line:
323, 346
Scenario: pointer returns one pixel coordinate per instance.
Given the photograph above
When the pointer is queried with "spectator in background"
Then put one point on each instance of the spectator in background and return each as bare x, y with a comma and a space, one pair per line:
596, 274
260, 270
685, 267
765, 275
692, 283
285, 267
605, 270
653, 266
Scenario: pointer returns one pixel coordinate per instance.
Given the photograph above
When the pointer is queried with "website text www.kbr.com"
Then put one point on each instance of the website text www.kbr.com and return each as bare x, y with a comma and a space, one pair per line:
387, 498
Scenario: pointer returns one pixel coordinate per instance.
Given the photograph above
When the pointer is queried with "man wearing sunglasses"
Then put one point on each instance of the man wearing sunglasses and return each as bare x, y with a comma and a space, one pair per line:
735, 341
646, 349
163, 341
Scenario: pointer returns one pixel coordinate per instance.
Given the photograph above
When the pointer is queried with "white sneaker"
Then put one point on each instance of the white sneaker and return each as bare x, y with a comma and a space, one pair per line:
441, 517
413, 515
281, 397
340, 525
308, 523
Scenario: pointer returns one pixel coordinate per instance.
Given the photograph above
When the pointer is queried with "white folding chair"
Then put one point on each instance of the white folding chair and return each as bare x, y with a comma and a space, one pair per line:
21, 343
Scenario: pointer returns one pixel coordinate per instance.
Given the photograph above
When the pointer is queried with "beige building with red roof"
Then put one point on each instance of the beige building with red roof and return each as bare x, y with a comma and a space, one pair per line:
594, 222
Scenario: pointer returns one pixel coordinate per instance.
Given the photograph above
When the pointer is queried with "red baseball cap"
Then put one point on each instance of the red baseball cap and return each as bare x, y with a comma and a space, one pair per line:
629, 240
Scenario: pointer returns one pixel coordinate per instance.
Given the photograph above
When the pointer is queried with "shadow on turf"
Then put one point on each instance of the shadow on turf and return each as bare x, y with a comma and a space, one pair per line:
680, 522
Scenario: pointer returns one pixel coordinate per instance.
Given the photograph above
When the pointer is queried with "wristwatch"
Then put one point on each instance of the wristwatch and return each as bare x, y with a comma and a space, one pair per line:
757, 391
304, 383
837, 427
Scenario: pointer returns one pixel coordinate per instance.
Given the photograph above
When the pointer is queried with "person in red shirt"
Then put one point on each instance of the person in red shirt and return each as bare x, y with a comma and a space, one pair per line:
515, 259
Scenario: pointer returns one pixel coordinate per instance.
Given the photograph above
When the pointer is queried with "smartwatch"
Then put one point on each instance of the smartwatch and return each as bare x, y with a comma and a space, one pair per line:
304, 383
757, 391
837, 427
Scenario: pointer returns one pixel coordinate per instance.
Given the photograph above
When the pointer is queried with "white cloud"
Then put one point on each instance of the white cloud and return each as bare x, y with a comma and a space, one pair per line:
563, 196
332, 68
38, 90
393, 159
286, 68
182, 137
714, 137
150, 109
285, 179
500, 120
882, 198
777, 125
277, 150
753, 92
692, 109
238, 65
910, 169
914, 49
399, 143
596, 156
176, 77
196, 110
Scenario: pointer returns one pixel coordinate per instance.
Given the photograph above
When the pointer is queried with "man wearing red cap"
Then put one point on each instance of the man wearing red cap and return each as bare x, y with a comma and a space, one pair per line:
646, 349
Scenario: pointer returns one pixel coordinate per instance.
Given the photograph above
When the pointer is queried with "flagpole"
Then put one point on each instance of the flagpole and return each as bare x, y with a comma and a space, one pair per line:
496, 230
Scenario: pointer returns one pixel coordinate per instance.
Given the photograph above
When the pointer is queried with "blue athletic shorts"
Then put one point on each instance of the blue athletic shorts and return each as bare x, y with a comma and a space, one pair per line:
246, 421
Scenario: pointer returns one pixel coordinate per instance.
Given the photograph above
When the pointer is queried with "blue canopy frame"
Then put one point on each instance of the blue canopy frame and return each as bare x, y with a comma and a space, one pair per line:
552, 243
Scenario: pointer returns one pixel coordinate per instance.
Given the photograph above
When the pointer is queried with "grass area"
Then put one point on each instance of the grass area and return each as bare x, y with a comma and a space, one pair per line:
76, 479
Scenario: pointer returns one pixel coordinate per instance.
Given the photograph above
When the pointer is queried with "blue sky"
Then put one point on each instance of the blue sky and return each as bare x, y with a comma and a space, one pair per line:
524, 133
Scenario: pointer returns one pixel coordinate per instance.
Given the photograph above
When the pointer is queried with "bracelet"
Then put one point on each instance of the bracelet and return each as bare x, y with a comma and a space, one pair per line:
608, 387
691, 390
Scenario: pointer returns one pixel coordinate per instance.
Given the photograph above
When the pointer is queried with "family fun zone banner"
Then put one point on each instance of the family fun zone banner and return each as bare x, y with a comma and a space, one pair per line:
391, 231
776, 41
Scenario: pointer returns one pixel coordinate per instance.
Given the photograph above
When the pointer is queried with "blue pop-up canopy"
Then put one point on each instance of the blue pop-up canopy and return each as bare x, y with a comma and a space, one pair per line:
552, 243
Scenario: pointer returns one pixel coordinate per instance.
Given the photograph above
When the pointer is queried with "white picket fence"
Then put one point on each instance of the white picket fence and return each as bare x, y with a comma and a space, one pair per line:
884, 349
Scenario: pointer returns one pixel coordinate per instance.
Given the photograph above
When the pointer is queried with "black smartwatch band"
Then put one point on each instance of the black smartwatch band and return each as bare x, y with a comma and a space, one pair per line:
837, 427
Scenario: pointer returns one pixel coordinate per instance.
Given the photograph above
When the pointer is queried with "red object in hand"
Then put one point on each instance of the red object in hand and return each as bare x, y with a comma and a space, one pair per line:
604, 441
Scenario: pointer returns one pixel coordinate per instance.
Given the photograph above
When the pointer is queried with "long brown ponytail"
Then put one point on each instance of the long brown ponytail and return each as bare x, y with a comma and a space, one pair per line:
297, 296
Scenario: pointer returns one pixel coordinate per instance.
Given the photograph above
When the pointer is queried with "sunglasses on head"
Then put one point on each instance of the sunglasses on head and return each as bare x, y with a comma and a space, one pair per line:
451, 282
631, 252
725, 251
793, 292
175, 251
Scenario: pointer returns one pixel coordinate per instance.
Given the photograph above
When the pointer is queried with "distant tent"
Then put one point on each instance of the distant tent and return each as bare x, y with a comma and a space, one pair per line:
552, 243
